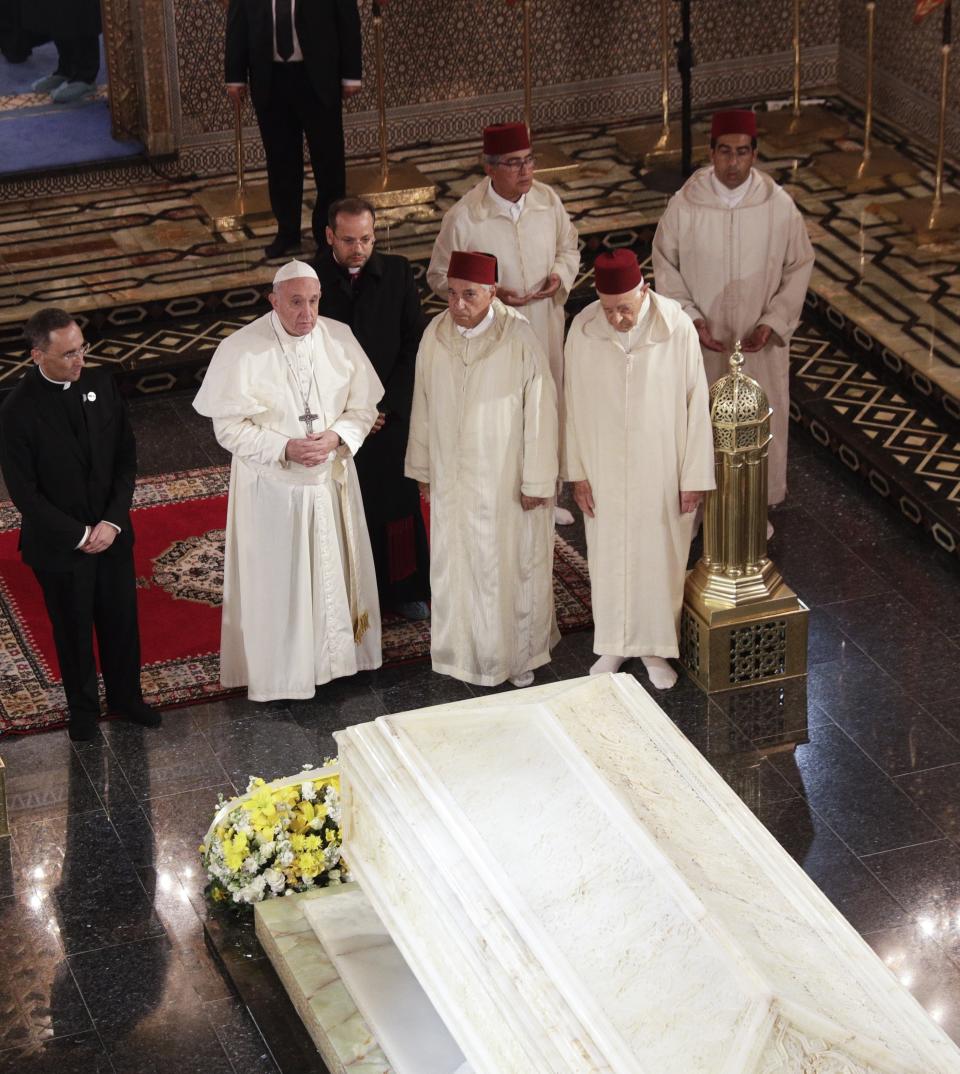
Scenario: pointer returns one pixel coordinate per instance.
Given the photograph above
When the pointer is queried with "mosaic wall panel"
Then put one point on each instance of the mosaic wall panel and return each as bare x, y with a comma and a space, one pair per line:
590, 62
907, 66
473, 49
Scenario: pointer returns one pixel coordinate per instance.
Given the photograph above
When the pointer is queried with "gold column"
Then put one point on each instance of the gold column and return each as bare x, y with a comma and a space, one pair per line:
384, 184
741, 624
795, 125
873, 166
553, 164
657, 143
937, 218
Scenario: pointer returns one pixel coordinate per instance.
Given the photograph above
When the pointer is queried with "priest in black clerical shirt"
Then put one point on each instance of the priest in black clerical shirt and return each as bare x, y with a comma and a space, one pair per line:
69, 460
377, 296
300, 58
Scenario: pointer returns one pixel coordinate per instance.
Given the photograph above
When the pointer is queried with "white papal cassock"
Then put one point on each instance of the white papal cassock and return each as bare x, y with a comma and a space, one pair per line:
531, 241
484, 430
736, 268
638, 429
299, 581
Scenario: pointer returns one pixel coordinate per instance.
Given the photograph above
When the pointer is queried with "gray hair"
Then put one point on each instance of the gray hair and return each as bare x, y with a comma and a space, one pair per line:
491, 158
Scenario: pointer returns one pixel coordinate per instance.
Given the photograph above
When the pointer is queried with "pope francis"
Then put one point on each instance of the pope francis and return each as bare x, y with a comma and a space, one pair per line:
292, 397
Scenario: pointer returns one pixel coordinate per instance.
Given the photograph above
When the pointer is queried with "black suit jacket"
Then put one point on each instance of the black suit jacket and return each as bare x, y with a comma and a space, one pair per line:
386, 316
60, 484
329, 35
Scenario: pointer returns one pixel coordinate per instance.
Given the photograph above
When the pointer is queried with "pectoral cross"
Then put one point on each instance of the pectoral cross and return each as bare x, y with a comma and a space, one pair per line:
308, 419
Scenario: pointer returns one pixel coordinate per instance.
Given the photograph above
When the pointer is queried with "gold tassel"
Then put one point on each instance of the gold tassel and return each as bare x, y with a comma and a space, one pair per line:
361, 626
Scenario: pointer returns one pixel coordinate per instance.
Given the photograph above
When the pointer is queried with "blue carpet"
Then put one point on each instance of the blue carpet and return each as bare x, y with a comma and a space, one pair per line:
31, 140
19, 77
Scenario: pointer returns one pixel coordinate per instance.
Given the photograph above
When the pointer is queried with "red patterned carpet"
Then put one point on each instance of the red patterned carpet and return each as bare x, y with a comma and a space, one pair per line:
179, 520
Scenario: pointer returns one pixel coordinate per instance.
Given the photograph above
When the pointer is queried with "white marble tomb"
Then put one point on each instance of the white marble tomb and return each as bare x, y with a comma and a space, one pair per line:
577, 890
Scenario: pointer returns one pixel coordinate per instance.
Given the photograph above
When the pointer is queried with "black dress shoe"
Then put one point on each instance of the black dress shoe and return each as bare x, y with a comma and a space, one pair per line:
138, 712
281, 245
82, 728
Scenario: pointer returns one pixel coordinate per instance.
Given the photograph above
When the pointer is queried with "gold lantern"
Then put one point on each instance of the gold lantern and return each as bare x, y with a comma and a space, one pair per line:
741, 624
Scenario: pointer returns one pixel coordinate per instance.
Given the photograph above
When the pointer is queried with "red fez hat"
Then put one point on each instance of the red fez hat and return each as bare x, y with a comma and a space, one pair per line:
473, 266
736, 121
503, 138
617, 272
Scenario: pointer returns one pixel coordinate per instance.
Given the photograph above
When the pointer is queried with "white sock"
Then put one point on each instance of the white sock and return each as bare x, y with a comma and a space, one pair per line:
562, 517
661, 673
607, 663
525, 678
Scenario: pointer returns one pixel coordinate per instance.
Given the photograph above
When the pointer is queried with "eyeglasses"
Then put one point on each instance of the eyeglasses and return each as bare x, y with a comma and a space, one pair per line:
517, 164
80, 352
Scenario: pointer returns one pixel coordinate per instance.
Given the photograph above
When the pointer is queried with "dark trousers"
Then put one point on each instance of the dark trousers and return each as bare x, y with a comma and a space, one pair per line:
79, 58
291, 110
416, 586
100, 596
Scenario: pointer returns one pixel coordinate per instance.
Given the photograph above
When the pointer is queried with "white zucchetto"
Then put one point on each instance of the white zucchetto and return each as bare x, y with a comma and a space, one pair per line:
294, 270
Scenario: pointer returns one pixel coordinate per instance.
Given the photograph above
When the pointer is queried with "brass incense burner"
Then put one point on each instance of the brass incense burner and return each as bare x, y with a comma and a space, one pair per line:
741, 624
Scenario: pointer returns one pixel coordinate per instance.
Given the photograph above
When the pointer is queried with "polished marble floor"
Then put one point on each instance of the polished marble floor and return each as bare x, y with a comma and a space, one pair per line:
103, 965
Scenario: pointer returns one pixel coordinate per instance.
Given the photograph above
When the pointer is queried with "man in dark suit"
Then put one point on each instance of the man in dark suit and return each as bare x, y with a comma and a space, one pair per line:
377, 296
300, 57
69, 461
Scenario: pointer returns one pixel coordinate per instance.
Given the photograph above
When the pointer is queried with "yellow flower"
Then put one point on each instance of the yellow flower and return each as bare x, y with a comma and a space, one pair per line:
235, 851
308, 865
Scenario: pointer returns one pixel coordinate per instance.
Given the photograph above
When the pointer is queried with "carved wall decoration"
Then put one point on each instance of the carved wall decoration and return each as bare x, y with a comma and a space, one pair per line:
122, 79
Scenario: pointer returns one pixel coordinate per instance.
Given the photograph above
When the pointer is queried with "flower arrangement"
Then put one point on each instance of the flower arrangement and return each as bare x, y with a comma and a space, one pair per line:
277, 839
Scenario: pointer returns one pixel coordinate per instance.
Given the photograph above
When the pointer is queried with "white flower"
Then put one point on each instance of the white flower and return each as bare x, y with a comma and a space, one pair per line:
251, 865
307, 791
253, 892
286, 858
267, 850
275, 879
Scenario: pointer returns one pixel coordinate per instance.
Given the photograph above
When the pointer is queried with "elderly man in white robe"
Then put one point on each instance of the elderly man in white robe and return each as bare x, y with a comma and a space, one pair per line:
483, 448
733, 250
638, 446
524, 225
292, 396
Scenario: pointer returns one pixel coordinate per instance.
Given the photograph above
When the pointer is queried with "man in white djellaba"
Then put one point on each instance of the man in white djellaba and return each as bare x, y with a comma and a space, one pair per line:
733, 250
525, 226
638, 446
483, 448
292, 397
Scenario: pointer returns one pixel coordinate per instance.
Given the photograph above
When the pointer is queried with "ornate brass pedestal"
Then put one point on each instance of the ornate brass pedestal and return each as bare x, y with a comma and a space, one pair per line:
741, 624
386, 185
228, 207
857, 173
4, 826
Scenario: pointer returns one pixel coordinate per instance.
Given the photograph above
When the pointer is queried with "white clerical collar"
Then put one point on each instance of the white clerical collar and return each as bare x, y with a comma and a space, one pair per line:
353, 271
478, 329
731, 198
283, 335
513, 209
64, 384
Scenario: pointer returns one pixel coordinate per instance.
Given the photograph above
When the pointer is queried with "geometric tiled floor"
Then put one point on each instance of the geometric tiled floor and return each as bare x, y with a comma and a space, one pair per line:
103, 965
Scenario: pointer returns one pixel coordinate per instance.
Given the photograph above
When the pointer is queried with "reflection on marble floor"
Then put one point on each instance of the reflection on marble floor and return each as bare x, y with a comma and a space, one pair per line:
104, 966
